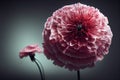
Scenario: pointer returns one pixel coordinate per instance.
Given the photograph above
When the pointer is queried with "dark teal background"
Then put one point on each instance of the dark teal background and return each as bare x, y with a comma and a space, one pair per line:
21, 24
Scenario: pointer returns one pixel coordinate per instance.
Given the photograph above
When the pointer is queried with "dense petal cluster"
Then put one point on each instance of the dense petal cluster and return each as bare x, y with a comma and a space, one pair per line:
29, 50
76, 36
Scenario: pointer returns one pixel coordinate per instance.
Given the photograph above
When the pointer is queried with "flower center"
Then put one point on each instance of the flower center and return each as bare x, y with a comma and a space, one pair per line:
79, 27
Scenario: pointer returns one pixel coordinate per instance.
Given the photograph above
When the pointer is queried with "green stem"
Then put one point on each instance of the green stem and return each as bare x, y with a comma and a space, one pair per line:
42, 78
78, 75
41, 68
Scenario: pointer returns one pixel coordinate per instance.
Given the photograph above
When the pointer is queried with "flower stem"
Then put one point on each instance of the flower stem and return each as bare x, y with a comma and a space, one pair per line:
78, 75
41, 68
42, 78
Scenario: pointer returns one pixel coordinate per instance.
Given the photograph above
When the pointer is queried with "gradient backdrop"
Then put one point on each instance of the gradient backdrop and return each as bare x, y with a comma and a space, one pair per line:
21, 24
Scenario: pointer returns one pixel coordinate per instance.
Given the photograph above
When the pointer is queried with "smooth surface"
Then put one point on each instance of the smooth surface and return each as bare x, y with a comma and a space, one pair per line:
21, 24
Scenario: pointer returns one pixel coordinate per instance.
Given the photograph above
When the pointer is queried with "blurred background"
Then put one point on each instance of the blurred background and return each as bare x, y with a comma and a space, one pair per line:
21, 24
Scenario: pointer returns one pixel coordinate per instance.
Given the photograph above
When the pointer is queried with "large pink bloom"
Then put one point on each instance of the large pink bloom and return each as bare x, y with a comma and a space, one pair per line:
76, 36
29, 50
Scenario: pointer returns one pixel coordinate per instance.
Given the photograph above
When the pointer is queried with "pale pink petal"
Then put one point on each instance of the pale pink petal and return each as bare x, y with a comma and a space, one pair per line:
30, 49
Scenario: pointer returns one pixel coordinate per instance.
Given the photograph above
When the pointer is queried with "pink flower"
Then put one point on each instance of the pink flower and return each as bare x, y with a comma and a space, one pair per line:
76, 36
30, 51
